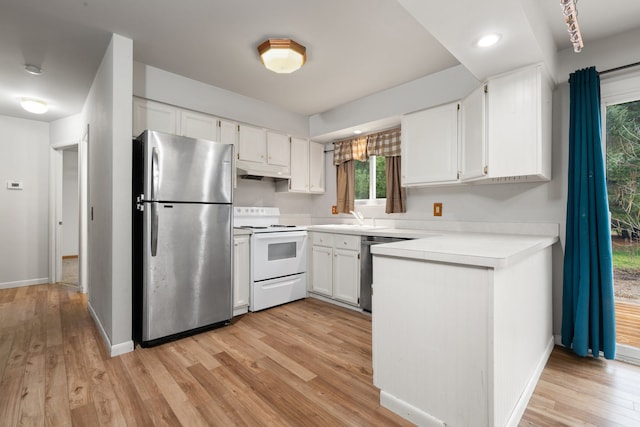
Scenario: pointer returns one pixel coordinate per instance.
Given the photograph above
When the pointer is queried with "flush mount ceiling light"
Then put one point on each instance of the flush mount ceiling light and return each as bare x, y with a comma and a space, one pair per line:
571, 18
35, 106
33, 69
488, 40
282, 55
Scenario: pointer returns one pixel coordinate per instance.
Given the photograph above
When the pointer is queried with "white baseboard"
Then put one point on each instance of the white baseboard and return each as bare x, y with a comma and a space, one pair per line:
523, 401
408, 412
114, 350
624, 353
334, 302
20, 283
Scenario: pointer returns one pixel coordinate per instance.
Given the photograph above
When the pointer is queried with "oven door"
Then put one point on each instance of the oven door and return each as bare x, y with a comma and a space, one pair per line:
278, 254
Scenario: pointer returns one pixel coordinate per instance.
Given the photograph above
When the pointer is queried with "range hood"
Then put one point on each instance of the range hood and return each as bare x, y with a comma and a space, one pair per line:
253, 170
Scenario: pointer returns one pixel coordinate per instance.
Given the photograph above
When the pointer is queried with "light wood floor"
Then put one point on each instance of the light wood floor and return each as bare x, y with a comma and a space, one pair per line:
628, 323
302, 364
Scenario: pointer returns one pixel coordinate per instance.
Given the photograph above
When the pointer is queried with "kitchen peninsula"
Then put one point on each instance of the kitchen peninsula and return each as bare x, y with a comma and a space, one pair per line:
462, 326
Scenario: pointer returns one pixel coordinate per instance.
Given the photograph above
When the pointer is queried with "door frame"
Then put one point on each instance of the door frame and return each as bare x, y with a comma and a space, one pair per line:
55, 210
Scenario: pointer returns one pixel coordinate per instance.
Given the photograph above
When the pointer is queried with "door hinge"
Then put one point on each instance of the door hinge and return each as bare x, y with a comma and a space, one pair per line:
486, 170
486, 88
459, 173
358, 256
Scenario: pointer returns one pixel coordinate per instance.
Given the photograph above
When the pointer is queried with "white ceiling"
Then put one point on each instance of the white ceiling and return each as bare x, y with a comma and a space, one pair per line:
354, 47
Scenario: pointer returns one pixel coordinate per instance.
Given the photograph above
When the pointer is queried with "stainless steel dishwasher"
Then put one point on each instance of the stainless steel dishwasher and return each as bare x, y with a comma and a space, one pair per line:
366, 267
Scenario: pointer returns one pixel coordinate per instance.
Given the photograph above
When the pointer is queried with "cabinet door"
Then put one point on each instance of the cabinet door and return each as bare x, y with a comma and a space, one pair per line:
473, 138
513, 123
278, 149
316, 167
252, 144
430, 146
299, 165
228, 134
346, 275
322, 270
241, 266
198, 125
154, 116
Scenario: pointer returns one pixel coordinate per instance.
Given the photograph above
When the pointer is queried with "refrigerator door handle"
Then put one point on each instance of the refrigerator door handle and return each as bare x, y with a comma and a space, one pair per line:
154, 228
155, 174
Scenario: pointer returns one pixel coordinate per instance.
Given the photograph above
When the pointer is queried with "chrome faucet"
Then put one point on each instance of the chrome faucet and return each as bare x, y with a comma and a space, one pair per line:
359, 217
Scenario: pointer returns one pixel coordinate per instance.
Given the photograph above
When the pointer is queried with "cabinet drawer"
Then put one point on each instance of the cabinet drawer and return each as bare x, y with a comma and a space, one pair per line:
342, 241
322, 239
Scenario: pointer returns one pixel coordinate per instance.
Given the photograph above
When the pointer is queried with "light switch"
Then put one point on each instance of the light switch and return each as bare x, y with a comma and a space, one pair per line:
14, 185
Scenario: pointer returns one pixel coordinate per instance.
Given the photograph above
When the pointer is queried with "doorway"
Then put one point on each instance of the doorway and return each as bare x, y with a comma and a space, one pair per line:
68, 262
70, 217
622, 137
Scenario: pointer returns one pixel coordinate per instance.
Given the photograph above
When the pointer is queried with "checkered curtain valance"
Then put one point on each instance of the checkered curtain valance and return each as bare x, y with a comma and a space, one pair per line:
385, 143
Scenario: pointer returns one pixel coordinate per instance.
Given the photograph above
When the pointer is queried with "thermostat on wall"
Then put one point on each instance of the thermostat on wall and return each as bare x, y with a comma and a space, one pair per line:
14, 185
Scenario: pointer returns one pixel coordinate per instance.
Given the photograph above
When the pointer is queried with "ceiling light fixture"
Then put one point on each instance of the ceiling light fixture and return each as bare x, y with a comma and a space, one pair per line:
33, 69
357, 131
35, 106
570, 13
488, 40
282, 55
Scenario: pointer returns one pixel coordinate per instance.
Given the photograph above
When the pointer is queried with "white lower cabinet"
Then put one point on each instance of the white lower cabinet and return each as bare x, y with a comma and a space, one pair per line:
335, 266
460, 345
241, 279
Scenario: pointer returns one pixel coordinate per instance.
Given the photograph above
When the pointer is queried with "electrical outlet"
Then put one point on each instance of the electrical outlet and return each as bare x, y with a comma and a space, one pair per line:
437, 209
334, 210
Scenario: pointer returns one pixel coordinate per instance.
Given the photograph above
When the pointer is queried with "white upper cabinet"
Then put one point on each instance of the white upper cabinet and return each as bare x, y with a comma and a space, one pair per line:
519, 126
154, 116
228, 134
198, 125
264, 153
430, 146
252, 144
278, 149
299, 182
316, 167
473, 139
307, 168
504, 134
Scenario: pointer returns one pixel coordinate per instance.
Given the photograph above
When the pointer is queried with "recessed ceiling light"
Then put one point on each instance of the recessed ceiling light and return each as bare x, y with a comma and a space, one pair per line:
33, 69
357, 131
488, 40
35, 106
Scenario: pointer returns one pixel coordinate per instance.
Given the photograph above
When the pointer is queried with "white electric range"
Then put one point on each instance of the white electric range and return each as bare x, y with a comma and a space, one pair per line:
278, 257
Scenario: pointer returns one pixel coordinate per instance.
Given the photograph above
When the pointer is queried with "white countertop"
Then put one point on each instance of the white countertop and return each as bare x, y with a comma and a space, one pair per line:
241, 232
477, 249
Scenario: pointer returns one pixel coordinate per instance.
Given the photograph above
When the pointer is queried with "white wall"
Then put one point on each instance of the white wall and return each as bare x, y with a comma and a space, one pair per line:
24, 156
108, 112
163, 86
70, 203
435, 89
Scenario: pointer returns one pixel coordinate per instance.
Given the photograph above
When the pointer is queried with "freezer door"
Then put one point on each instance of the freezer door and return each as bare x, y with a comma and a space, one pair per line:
187, 280
181, 169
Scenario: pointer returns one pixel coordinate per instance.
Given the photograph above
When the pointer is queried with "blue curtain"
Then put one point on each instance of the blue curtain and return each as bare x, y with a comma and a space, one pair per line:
588, 311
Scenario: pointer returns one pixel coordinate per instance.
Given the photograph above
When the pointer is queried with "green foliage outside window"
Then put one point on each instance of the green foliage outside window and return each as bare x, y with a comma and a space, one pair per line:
363, 179
623, 167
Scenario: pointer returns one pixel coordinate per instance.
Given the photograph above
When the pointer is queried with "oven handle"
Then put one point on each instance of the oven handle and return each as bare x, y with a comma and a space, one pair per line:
280, 235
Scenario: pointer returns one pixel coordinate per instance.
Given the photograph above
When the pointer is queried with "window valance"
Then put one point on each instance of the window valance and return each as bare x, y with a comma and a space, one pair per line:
385, 143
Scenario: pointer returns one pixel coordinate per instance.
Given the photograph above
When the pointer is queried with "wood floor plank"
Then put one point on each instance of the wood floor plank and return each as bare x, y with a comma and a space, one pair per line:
170, 390
134, 411
56, 400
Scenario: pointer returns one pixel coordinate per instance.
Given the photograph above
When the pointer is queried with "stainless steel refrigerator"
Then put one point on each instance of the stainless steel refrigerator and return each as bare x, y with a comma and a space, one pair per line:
182, 228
